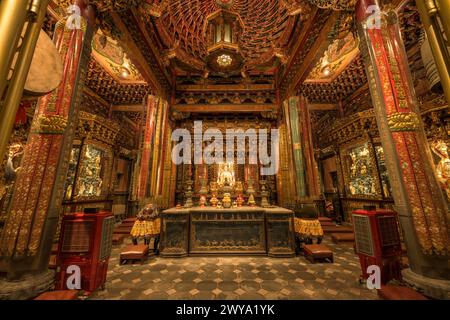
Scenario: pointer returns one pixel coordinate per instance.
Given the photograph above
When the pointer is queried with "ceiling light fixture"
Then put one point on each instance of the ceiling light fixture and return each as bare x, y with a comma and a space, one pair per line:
224, 60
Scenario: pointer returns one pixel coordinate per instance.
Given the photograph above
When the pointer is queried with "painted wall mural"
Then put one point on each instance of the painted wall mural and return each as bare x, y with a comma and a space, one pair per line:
90, 180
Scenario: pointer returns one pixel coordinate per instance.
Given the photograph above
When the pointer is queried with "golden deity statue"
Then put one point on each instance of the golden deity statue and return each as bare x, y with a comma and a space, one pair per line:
226, 175
440, 148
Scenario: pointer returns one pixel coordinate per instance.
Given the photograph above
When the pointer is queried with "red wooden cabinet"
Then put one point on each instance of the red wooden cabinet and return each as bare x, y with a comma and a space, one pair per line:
85, 243
377, 242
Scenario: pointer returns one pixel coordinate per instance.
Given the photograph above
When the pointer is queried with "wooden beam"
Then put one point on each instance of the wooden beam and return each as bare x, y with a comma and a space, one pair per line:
225, 87
299, 42
128, 108
155, 51
137, 57
356, 94
313, 56
322, 106
223, 108
88, 91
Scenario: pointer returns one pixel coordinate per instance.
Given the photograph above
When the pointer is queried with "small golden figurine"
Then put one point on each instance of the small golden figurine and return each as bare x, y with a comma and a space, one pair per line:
214, 201
226, 200
202, 201
239, 200
251, 201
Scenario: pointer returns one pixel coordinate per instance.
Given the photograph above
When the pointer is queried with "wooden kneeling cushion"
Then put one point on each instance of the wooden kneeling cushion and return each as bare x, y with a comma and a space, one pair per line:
314, 252
399, 293
342, 237
137, 252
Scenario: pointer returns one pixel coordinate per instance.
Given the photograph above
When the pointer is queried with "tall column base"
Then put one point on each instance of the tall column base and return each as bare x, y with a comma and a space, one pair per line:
27, 287
434, 288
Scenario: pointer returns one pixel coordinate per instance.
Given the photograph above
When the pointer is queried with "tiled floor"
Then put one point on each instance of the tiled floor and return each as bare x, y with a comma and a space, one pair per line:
236, 278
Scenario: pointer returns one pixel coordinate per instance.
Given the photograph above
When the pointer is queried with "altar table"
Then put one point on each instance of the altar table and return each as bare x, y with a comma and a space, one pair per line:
234, 231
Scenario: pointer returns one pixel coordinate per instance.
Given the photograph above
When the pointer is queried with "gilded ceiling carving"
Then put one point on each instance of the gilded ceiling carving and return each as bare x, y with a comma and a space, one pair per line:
337, 57
113, 58
106, 86
350, 80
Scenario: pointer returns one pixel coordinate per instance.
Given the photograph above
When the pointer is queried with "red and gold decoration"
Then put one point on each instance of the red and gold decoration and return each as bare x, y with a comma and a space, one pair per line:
414, 184
37, 194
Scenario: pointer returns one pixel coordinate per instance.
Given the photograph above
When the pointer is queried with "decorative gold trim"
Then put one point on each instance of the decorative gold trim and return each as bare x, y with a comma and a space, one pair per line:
403, 121
49, 125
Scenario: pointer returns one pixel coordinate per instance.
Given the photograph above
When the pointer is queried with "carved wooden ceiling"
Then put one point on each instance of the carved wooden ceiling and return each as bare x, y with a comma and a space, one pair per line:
100, 81
267, 29
284, 44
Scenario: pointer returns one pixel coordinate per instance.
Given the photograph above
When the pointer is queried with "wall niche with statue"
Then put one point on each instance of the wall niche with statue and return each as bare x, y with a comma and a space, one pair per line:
360, 170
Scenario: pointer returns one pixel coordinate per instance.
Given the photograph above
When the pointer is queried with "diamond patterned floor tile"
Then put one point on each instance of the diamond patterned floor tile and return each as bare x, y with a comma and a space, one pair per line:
232, 278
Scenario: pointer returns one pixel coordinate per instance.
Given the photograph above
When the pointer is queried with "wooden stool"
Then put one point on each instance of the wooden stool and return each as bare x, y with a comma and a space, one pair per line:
58, 295
399, 293
314, 252
342, 237
137, 252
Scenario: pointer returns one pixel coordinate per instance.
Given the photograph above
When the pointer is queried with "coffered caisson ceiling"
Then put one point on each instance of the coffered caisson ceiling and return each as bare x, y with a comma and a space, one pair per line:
169, 36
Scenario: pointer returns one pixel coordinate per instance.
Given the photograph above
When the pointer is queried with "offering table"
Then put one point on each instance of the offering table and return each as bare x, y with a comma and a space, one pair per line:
234, 231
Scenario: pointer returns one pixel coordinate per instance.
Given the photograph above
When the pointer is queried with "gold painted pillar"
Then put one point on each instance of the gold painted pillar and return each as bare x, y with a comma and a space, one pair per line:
435, 16
311, 168
419, 201
13, 14
27, 237
304, 165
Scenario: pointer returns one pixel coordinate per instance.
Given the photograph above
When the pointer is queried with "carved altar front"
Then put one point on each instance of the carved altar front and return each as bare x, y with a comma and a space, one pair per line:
239, 231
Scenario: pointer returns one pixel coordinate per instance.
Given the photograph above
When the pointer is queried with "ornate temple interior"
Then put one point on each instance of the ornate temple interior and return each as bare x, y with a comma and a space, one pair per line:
110, 109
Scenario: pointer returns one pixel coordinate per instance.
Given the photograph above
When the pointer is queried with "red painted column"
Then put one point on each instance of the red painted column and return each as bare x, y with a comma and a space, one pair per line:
35, 207
312, 171
418, 198
148, 128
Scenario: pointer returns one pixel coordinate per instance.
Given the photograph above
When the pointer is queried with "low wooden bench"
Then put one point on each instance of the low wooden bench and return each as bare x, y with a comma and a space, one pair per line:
133, 253
342, 237
337, 229
325, 219
399, 293
58, 295
316, 252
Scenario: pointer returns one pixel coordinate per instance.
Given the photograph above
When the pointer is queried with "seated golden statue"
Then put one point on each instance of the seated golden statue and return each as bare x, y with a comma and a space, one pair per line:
147, 226
226, 175
307, 226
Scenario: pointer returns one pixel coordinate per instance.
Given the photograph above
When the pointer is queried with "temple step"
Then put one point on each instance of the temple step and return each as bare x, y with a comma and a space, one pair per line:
343, 237
399, 293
